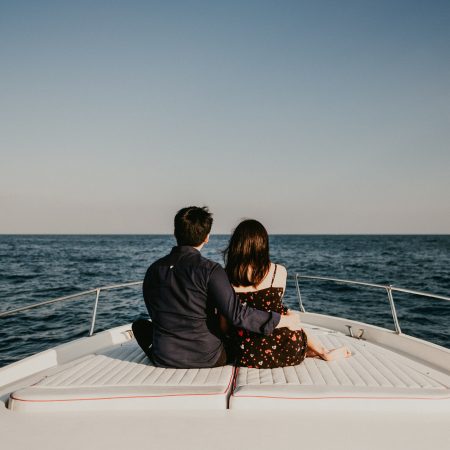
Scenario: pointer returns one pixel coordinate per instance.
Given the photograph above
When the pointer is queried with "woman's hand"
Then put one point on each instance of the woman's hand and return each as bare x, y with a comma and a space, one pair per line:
290, 320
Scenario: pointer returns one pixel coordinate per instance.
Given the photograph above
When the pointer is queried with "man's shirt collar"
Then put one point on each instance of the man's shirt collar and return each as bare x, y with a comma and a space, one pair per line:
184, 249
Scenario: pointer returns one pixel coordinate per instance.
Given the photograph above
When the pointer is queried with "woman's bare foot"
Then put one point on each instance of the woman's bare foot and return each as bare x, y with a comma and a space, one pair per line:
312, 354
337, 353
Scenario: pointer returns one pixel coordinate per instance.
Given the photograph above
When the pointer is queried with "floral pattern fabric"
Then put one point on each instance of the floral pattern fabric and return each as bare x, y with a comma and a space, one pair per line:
282, 348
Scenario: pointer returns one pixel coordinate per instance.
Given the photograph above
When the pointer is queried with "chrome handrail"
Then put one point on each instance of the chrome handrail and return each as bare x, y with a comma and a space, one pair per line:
97, 291
389, 289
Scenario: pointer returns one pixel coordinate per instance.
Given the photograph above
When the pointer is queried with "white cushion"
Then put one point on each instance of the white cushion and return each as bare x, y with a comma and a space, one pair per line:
124, 378
369, 380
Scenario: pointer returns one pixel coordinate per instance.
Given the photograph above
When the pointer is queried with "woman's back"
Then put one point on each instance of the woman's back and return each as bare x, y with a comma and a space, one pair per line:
283, 347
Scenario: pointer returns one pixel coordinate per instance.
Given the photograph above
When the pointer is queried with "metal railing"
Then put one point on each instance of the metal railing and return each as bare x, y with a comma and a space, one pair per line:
387, 287
72, 297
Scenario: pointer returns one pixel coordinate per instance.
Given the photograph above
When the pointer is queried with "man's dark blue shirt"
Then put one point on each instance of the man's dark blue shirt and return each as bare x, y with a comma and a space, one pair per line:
182, 292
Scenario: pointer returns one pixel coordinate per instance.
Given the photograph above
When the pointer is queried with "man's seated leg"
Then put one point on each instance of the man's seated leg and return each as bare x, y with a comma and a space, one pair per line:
143, 333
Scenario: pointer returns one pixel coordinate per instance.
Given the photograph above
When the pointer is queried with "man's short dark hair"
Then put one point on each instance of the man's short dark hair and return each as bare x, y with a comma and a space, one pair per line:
192, 225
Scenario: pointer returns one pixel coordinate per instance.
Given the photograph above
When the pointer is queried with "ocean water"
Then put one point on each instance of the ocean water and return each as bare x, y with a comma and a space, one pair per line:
35, 268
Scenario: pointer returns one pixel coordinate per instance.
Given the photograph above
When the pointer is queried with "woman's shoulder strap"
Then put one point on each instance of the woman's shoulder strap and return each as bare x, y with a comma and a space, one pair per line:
273, 277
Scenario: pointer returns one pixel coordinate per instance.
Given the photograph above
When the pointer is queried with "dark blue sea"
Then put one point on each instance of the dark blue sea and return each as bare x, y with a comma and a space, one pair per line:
36, 268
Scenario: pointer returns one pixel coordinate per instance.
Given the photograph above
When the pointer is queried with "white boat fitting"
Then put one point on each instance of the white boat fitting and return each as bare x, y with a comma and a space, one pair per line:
102, 392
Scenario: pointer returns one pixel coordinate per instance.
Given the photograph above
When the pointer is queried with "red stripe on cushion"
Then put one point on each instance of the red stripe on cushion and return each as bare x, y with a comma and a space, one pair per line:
338, 398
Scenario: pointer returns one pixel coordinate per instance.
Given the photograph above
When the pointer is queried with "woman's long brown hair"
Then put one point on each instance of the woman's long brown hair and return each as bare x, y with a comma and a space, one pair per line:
247, 259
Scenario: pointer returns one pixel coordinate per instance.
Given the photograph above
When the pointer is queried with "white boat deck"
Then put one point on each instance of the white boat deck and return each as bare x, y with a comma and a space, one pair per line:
121, 377
102, 393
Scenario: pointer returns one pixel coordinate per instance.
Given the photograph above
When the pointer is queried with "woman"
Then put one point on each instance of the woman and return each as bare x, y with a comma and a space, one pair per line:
261, 284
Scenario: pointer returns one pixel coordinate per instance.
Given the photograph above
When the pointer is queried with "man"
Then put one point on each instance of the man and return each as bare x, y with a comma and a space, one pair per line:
183, 292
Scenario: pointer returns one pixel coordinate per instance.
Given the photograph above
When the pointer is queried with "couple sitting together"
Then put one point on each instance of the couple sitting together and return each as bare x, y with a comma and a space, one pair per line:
205, 316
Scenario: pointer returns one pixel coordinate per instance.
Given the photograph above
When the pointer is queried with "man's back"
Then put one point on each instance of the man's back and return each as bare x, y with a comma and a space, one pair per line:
185, 325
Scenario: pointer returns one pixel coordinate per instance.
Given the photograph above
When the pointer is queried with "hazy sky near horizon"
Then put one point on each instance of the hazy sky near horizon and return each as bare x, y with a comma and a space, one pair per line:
313, 117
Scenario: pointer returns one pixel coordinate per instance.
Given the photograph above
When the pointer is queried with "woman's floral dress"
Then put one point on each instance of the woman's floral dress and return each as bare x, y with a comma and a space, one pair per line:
282, 348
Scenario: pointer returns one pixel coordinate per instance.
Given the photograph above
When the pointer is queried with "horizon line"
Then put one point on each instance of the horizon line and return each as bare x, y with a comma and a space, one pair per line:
226, 234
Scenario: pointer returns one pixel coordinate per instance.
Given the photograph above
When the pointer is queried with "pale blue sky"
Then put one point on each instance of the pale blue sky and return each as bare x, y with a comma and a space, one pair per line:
313, 117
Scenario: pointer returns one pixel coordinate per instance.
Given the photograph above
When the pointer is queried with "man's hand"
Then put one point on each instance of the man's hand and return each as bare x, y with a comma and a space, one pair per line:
291, 320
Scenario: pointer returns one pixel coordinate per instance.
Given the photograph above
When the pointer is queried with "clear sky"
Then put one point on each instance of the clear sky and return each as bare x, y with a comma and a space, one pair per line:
313, 117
